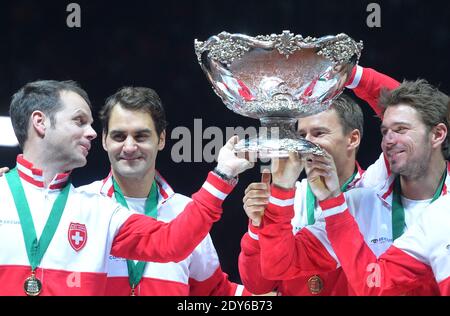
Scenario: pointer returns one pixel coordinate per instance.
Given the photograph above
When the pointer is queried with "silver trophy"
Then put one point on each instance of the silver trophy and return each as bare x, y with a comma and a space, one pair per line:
277, 79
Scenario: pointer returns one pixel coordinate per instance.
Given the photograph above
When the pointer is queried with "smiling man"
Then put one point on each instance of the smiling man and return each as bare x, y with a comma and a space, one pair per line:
134, 132
415, 144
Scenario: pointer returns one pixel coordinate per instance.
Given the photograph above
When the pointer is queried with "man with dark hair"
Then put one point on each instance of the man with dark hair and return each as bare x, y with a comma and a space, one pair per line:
414, 130
134, 125
54, 239
135, 99
339, 131
43, 95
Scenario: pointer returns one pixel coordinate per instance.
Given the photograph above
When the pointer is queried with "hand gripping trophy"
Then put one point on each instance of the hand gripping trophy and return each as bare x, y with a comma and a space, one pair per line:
277, 79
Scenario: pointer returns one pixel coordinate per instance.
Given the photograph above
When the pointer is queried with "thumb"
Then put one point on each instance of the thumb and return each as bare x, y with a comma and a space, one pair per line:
319, 183
265, 176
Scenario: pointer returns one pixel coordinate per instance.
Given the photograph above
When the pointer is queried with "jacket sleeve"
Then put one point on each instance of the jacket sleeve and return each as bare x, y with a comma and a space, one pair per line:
206, 277
146, 239
444, 286
394, 273
250, 264
367, 84
283, 255
428, 241
217, 284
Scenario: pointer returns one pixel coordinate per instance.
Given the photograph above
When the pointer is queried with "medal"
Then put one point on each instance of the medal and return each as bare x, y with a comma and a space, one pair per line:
32, 285
315, 284
133, 293
35, 247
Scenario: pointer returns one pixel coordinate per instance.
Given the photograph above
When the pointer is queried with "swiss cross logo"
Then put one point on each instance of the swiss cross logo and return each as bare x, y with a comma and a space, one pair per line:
77, 236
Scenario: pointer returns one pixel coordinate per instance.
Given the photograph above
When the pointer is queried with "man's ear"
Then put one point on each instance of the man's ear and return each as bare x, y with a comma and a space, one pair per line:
104, 140
354, 139
39, 122
162, 140
438, 135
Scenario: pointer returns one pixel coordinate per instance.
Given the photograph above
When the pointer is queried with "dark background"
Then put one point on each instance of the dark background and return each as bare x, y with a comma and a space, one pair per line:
150, 43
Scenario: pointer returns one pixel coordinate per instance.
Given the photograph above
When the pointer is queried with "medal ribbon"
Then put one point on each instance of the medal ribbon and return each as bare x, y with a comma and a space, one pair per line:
311, 199
136, 270
35, 248
398, 212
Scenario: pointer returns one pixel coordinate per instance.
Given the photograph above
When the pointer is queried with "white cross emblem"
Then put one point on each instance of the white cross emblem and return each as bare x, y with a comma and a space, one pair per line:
77, 238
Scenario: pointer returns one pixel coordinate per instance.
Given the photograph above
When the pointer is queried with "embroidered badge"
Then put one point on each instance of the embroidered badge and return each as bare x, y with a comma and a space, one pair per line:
77, 236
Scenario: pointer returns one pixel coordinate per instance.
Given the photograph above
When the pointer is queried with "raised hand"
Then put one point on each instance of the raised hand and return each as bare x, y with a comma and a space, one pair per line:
322, 176
257, 197
230, 164
285, 171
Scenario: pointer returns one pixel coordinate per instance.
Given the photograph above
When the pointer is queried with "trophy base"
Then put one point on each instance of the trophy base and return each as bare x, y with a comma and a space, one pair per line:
276, 148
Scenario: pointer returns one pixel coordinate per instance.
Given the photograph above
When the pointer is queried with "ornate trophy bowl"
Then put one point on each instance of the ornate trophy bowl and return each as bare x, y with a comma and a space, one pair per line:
277, 79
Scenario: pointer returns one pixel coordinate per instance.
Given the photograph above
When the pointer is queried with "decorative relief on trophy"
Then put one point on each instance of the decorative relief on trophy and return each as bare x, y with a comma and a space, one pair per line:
277, 79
